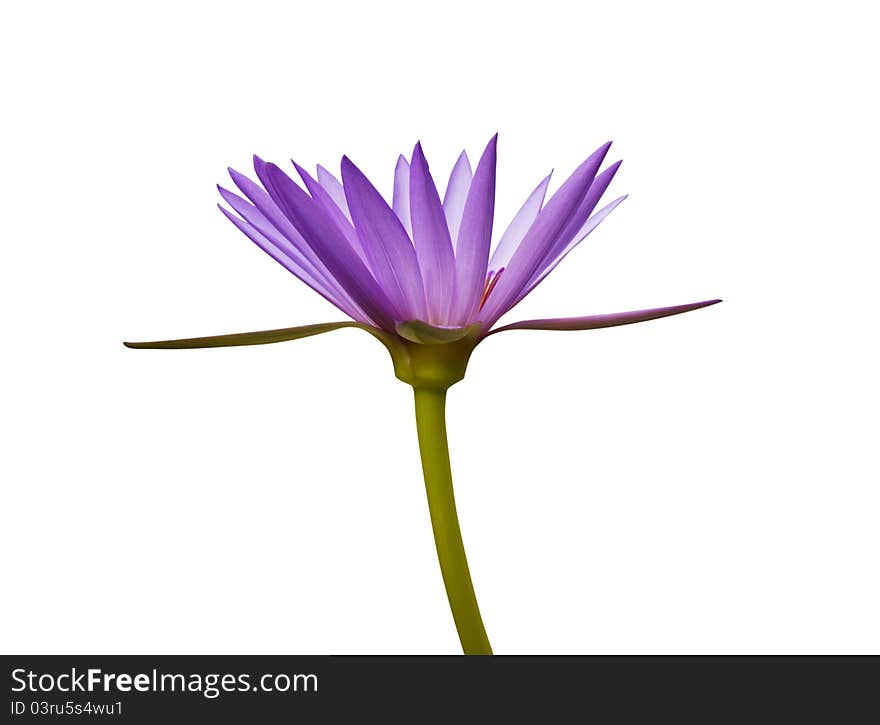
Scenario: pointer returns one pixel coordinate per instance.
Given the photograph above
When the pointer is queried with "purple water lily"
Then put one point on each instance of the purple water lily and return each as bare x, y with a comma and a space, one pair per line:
421, 275
420, 259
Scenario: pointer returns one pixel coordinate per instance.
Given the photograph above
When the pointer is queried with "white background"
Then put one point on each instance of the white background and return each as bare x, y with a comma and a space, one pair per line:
706, 483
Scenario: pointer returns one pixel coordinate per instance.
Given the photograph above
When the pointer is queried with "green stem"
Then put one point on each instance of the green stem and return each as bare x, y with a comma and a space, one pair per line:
431, 423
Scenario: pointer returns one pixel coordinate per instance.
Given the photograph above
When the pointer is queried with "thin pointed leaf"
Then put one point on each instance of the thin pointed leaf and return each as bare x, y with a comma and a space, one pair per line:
594, 322
264, 337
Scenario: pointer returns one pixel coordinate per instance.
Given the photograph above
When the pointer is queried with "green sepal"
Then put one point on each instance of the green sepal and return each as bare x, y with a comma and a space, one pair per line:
264, 337
425, 334
423, 355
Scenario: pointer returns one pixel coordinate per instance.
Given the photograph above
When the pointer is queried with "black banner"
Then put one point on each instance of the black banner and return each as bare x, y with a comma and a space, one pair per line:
316, 689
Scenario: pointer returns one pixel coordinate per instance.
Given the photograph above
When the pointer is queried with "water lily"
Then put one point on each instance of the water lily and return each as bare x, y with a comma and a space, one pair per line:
421, 276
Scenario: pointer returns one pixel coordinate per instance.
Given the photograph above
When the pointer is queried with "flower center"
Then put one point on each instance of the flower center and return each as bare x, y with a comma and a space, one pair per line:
491, 280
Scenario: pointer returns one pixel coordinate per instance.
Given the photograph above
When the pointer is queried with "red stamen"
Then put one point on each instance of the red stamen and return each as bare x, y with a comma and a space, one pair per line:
491, 281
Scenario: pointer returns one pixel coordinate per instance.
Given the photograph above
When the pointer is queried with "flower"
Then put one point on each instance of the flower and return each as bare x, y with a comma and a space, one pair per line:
421, 276
419, 271
419, 259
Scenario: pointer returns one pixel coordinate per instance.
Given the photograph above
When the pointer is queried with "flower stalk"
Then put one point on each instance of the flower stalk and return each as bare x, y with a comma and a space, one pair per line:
434, 449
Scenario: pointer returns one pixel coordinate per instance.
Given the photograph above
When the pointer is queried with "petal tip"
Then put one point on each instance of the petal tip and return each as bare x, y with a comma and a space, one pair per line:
349, 168
236, 176
304, 175
603, 149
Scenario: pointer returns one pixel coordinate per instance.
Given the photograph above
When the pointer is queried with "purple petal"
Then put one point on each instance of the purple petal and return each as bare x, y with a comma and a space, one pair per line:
270, 247
269, 209
291, 266
541, 236
475, 238
333, 187
456, 195
582, 234
517, 229
580, 217
388, 248
255, 218
343, 223
400, 199
431, 239
313, 222
593, 322
265, 216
